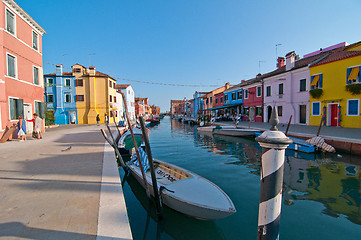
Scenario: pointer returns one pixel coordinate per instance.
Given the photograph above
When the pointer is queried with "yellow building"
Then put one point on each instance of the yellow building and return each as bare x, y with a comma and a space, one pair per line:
95, 94
335, 90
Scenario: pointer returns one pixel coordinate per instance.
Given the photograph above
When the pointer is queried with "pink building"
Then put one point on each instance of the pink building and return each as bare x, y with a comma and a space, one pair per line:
21, 81
287, 88
219, 99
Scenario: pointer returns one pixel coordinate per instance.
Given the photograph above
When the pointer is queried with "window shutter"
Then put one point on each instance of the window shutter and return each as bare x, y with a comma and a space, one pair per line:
19, 108
348, 72
320, 81
42, 110
12, 108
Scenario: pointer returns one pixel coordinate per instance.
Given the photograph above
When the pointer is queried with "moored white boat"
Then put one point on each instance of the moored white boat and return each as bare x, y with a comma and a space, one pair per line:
237, 132
187, 192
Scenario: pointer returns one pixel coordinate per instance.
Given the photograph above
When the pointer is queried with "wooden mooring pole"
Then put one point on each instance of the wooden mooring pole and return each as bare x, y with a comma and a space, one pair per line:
273, 143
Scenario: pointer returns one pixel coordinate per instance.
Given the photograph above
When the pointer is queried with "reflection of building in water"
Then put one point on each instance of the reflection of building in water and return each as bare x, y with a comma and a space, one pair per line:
295, 174
336, 185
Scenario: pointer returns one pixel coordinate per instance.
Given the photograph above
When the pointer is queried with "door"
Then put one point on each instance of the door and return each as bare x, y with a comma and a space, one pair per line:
28, 114
302, 114
333, 114
269, 113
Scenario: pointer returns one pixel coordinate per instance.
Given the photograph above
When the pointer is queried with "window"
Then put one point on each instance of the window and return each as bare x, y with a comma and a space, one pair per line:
210, 99
11, 60
50, 81
353, 106
221, 99
36, 75
77, 70
316, 108
216, 100
67, 98
259, 111
110, 98
316, 81
233, 96
79, 82
37, 107
279, 109
35, 40
246, 94
353, 75
67, 82
280, 88
226, 97
79, 98
110, 84
268, 91
302, 85
10, 22
206, 101
114, 85
246, 111
50, 98
259, 91
239, 95
16, 108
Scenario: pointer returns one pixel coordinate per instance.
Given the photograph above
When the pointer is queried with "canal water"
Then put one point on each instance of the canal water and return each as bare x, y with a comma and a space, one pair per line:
321, 198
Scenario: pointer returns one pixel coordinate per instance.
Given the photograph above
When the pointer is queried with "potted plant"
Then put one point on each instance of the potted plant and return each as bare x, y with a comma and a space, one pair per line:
354, 89
316, 93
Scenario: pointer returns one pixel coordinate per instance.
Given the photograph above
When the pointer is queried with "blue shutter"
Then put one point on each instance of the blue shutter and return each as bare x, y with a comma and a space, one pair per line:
348, 74
312, 86
320, 81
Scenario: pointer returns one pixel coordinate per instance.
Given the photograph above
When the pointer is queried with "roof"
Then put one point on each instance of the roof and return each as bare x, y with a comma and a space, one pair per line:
339, 54
121, 86
70, 74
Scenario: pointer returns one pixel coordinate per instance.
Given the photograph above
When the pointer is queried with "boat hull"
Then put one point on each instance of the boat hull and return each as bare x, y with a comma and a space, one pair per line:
194, 196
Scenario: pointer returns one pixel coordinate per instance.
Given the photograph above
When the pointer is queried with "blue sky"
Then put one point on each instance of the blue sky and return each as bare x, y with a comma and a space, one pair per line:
191, 42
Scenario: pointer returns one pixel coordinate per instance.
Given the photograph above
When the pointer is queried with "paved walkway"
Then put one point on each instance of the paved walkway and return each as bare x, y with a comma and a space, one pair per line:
52, 188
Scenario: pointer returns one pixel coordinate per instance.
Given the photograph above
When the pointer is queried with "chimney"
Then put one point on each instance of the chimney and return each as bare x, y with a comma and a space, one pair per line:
227, 85
92, 71
290, 60
280, 62
59, 70
259, 75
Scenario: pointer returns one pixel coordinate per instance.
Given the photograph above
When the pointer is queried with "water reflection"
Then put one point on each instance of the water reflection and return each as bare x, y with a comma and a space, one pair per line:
329, 179
173, 225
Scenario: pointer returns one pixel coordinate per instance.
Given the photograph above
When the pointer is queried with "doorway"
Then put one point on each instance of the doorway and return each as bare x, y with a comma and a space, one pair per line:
269, 113
333, 114
28, 114
302, 119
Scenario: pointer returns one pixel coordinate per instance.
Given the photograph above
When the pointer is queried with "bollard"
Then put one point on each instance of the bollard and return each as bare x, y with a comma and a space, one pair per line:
273, 143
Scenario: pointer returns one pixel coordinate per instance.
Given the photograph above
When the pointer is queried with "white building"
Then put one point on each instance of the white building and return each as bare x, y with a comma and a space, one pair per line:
128, 92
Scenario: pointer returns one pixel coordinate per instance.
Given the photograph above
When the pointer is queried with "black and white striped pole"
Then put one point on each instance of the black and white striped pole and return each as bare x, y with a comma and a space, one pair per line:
273, 143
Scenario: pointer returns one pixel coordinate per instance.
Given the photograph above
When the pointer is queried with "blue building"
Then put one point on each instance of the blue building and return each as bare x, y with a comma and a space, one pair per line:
197, 104
60, 96
233, 99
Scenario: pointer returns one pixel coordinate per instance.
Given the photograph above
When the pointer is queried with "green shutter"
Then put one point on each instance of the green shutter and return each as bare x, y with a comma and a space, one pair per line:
19, 108
12, 108
42, 110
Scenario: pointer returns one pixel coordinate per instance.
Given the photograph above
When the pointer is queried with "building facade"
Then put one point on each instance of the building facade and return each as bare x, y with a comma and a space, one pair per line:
95, 94
128, 92
60, 96
253, 100
336, 88
21, 82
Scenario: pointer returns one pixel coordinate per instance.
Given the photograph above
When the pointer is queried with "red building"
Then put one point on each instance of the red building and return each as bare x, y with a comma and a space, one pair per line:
21, 81
253, 100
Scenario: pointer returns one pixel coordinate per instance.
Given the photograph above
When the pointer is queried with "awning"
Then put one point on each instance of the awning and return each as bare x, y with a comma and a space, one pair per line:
315, 80
354, 73
225, 106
